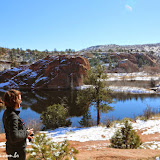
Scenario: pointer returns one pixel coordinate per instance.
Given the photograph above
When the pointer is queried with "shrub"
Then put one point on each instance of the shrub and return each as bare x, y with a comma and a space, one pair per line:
110, 122
43, 148
147, 113
152, 82
125, 138
86, 120
140, 118
126, 119
55, 116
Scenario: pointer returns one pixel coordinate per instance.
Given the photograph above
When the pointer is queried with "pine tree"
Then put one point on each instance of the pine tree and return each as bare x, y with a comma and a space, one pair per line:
125, 138
109, 61
98, 94
86, 120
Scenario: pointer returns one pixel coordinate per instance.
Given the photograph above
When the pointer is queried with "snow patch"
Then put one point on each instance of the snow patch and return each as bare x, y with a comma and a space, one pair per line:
40, 79
2, 144
127, 89
15, 69
27, 71
81, 134
100, 133
33, 75
4, 84
83, 87
151, 145
151, 126
137, 76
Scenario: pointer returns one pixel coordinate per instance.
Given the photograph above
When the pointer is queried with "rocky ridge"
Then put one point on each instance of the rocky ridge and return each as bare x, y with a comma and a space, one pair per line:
146, 47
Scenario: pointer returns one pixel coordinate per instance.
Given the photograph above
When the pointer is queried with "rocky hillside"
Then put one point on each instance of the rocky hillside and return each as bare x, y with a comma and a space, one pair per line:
114, 47
51, 72
116, 58
124, 62
135, 62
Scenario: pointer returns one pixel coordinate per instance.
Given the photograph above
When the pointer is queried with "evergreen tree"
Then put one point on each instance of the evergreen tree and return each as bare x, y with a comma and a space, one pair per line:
125, 138
140, 62
98, 94
94, 61
86, 119
109, 61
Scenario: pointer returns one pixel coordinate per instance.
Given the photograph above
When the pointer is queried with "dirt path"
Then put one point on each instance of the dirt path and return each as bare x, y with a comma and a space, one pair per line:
100, 150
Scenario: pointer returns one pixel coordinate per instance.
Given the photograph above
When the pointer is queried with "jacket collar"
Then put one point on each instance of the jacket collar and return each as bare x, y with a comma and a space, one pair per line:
12, 109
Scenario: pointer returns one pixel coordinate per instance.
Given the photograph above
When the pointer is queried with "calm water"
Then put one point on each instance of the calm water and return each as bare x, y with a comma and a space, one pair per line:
35, 102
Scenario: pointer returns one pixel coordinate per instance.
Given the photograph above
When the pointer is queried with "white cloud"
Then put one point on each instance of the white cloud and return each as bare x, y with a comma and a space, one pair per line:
129, 8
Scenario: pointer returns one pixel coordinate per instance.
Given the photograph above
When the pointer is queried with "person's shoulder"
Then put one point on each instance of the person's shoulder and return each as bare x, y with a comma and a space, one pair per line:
10, 114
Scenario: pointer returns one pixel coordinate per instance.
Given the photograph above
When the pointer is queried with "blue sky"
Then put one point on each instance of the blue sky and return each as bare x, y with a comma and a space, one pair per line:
77, 24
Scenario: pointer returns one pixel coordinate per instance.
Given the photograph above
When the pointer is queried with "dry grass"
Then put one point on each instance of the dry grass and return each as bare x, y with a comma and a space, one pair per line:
150, 113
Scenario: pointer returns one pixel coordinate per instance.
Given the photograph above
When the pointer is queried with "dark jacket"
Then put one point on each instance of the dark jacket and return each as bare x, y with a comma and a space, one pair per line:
16, 132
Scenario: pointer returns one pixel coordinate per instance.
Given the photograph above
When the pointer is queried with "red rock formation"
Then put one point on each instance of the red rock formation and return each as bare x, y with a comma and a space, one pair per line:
128, 66
128, 56
62, 71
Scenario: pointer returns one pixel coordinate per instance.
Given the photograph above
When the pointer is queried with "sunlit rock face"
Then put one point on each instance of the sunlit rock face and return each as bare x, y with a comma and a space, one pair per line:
52, 72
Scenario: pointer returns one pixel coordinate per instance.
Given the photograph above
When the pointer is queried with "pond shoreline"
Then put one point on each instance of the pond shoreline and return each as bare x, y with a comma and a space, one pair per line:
132, 90
125, 89
116, 89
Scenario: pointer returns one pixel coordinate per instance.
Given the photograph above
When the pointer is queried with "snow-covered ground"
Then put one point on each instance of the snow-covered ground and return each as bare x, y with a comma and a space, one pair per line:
124, 89
102, 133
138, 76
134, 90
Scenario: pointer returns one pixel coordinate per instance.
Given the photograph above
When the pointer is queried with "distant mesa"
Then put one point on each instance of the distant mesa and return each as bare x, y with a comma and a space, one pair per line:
51, 72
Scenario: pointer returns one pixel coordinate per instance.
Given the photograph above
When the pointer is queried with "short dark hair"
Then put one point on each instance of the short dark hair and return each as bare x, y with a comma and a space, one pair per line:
10, 98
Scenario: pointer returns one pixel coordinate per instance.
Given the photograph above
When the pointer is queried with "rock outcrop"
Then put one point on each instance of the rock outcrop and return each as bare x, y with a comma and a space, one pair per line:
9, 73
59, 72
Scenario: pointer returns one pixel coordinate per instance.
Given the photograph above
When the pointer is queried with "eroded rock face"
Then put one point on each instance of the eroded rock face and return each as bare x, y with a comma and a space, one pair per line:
59, 72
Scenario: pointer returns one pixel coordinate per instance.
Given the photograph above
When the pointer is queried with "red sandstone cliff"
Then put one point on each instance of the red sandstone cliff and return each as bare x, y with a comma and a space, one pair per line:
50, 73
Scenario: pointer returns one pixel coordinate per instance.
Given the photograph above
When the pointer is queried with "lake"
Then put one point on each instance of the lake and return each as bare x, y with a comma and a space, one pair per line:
127, 105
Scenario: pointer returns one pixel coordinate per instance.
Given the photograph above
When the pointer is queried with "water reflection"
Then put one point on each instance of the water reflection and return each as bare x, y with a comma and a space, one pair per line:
127, 96
38, 101
127, 105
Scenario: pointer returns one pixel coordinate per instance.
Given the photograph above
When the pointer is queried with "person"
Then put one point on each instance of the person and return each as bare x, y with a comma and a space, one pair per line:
15, 130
